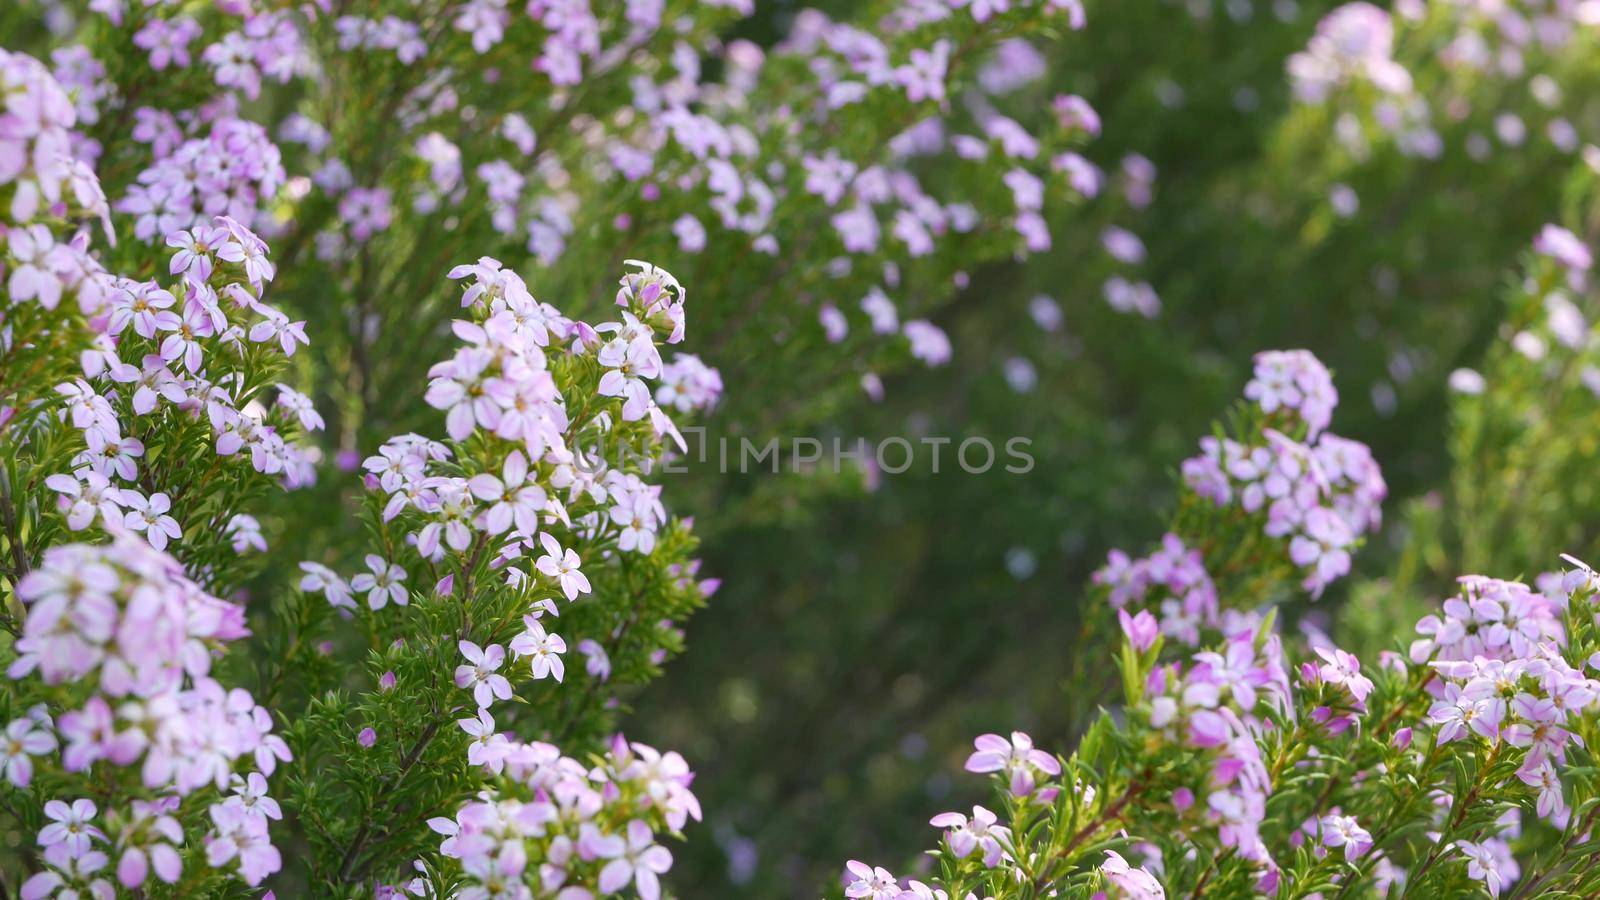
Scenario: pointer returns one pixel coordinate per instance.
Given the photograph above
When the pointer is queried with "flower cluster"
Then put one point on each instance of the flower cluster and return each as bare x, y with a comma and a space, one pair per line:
231, 171
1179, 571
1263, 763
571, 829
45, 176
123, 623
1421, 773
1369, 66
1354, 43
121, 385
536, 506
1285, 484
1317, 494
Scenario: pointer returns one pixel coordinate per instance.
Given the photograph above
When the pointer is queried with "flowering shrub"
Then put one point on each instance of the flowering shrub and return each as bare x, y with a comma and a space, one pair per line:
1252, 763
217, 130
534, 510
283, 613
142, 418
134, 414
400, 139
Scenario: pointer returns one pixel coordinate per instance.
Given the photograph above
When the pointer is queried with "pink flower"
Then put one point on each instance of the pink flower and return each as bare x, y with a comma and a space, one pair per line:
383, 584
545, 648
1564, 247
1136, 884
150, 516
864, 882
1342, 668
978, 833
24, 739
923, 76
70, 826
1141, 630
480, 674
638, 859
1015, 757
1342, 831
489, 748
563, 567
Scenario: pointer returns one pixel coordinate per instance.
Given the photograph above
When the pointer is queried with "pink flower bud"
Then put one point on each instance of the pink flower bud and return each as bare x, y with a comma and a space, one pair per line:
1182, 799
367, 737
1141, 630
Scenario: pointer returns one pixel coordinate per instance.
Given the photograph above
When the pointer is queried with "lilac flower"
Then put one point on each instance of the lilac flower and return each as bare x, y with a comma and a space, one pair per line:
690, 233
249, 847
150, 517
1470, 709
1564, 247
516, 497
71, 826
1342, 668
1542, 776
543, 647
1295, 380
489, 748
828, 176
637, 859
24, 739
864, 882
1130, 882
66, 869
86, 495
1016, 757
1483, 864
384, 583
563, 567
928, 342
245, 534
980, 833
149, 842
688, 384
1123, 245
167, 42
319, 577
858, 228
276, 326
366, 211
1141, 630
1321, 547
299, 405
33, 276
1342, 831
480, 673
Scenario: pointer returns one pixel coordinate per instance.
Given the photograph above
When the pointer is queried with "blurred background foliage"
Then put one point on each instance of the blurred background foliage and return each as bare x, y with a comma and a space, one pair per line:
868, 627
